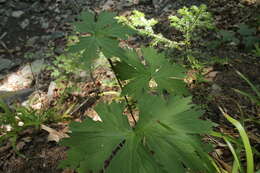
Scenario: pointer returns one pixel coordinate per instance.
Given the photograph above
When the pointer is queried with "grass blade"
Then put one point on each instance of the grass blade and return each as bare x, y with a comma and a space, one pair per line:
235, 167
5, 107
236, 164
249, 83
251, 97
242, 132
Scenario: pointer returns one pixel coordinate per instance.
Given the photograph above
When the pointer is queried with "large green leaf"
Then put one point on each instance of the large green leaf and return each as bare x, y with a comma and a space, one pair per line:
92, 142
245, 30
169, 129
165, 139
156, 68
134, 158
99, 33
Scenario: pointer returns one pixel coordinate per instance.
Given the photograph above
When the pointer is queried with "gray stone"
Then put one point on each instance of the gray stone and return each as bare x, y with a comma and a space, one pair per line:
45, 25
57, 34
65, 16
59, 50
215, 89
57, 10
18, 5
2, 11
45, 37
36, 67
51, 89
21, 95
17, 14
23, 77
57, 18
32, 41
24, 23
2, 1
5, 64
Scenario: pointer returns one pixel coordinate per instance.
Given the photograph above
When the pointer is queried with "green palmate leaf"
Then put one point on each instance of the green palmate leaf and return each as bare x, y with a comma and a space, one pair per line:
228, 36
249, 41
156, 69
165, 139
134, 158
245, 30
93, 142
168, 129
99, 33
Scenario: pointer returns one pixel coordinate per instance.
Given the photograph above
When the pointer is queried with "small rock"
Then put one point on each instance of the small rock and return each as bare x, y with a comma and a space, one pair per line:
37, 66
26, 103
57, 10
65, 16
215, 89
45, 37
83, 74
57, 18
59, 50
32, 41
51, 89
11, 96
24, 23
108, 5
37, 106
18, 5
123, 4
2, 76
23, 77
17, 14
51, 7
20, 145
57, 34
45, 25
5, 64
211, 76
17, 48
2, 1
25, 72
2, 11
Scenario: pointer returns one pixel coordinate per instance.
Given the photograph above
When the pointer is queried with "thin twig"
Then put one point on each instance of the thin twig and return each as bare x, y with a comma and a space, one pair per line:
93, 79
121, 86
34, 78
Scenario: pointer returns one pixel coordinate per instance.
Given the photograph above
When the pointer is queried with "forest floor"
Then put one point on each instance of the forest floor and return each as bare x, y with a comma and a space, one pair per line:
38, 29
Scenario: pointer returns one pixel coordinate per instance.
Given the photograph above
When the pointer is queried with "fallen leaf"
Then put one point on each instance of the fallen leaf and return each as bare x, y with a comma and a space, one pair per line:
108, 5
211, 76
54, 135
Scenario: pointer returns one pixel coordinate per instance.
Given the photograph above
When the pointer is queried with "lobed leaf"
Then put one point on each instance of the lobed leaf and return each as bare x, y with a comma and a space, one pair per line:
167, 76
99, 33
92, 142
165, 139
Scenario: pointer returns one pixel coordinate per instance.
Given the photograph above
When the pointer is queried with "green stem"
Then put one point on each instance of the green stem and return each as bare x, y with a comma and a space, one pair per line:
121, 87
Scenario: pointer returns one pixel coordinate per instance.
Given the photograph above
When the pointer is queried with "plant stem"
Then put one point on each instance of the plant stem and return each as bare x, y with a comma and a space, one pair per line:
34, 78
121, 87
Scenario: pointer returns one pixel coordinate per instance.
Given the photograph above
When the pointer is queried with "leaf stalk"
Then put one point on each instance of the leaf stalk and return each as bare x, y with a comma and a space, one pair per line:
121, 87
